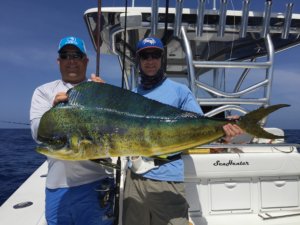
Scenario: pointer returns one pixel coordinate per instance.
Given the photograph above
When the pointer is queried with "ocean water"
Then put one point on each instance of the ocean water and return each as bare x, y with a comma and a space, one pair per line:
18, 159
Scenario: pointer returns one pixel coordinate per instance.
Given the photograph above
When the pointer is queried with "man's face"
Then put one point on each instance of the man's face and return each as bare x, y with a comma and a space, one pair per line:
150, 61
72, 64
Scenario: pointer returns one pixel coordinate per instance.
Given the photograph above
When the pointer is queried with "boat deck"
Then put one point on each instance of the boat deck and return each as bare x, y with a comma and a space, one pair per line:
27, 203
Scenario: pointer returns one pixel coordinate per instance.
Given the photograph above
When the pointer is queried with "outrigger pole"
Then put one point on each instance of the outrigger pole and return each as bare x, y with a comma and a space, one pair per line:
98, 38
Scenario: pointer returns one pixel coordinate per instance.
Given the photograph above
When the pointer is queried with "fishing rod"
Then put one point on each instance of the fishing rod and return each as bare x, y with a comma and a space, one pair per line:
124, 44
118, 172
20, 123
98, 45
99, 14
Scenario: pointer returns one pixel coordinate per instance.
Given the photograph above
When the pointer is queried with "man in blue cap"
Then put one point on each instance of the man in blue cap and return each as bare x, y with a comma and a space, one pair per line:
71, 186
154, 192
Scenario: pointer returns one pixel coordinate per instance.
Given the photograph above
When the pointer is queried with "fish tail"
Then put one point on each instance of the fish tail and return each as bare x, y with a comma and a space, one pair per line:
249, 122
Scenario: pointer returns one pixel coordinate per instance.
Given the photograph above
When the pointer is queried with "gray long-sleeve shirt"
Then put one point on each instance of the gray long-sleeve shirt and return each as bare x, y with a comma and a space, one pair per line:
61, 173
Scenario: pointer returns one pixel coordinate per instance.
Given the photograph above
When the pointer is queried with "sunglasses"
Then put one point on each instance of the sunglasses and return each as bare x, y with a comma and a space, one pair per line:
73, 55
153, 55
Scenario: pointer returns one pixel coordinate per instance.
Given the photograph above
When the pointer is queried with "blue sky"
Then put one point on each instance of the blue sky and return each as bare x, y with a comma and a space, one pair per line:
31, 30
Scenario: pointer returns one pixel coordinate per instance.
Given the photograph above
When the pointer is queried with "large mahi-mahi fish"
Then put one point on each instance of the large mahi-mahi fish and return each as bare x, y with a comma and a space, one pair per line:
101, 120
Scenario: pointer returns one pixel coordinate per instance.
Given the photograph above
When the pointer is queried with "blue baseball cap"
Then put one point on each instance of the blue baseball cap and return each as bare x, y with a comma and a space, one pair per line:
149, 43
77, 42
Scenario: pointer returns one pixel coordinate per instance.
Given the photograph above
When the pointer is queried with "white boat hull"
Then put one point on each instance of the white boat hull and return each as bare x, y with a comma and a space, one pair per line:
31, 191
258, 185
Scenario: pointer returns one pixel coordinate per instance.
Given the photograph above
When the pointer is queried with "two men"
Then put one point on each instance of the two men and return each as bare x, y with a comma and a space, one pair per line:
154, 197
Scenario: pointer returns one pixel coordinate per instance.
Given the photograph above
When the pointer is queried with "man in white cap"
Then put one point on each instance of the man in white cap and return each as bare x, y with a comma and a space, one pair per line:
154, 192
71, 196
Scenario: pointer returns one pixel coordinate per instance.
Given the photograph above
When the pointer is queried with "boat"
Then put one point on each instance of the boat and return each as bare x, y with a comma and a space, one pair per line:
226, 57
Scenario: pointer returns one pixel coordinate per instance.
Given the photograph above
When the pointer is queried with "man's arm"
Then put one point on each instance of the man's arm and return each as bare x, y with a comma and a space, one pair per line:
40, 103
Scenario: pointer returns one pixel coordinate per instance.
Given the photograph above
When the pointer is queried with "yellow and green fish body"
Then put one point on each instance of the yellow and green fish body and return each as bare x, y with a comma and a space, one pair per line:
100, 121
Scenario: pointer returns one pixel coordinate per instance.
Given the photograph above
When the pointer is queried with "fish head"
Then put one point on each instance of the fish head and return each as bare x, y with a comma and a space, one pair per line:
54, 146
83, 150
72, 148
64, 136
54, 132
52, 129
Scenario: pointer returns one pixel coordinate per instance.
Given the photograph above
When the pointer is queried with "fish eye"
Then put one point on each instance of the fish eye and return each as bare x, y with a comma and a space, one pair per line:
58, 142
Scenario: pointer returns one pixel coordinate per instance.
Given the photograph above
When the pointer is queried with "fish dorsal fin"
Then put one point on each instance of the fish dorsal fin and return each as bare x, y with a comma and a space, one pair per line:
101, 95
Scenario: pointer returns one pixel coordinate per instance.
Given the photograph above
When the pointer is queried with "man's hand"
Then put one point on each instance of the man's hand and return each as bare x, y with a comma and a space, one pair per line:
60, 97
231, 130
96, 79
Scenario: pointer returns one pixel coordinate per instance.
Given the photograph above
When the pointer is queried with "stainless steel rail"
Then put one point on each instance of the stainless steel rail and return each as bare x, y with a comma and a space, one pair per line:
222, 18
287, 21
245, 16
154, 17
225, 100
178, 16
266, 23
200, 31
200, 17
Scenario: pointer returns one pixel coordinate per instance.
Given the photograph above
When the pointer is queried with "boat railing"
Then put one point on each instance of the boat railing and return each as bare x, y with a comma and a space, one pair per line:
229, 100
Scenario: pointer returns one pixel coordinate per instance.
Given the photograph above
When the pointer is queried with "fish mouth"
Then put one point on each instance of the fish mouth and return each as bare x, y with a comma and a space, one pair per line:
64, 153
84, 150
51, 150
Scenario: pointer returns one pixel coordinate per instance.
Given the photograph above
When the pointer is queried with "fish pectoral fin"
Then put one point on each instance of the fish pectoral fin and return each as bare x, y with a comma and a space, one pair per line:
106, 163
87, 148
73, 141
85, 144
78, 143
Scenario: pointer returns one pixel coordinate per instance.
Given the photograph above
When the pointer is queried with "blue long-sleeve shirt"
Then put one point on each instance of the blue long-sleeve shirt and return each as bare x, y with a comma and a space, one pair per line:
178, 95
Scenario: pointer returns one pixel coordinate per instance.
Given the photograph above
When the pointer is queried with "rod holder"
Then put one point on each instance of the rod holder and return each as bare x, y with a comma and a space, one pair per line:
200, 17
222, 18
245, 16
154, 17
287, 21
178, 17
266, 19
